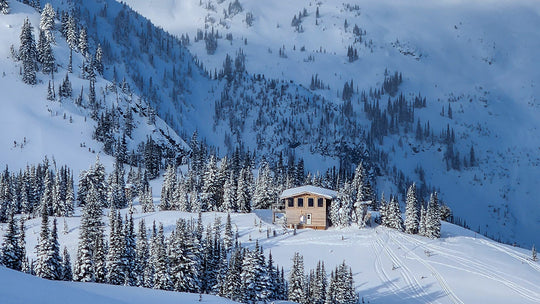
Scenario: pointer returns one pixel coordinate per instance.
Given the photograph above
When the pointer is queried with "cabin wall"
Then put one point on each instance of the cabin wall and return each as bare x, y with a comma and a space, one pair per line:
318, 214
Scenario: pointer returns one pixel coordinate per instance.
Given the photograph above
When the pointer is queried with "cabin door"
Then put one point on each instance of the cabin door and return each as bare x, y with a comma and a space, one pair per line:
308, 219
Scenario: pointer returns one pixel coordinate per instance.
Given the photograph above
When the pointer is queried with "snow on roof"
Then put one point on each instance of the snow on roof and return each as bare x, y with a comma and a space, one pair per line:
327, 193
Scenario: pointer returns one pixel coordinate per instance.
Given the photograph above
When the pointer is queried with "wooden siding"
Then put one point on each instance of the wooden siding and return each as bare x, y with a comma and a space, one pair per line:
318, 214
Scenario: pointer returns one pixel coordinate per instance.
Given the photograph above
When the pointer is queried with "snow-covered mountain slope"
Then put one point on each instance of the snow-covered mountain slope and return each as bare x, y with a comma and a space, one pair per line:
17, 287
388, 266
34, 127
477, 57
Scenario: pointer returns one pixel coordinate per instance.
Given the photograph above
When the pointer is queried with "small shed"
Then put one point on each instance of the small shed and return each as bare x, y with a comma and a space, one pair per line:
307, 206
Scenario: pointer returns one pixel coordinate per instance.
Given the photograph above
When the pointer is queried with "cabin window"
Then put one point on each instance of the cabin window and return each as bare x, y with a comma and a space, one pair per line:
290, 202
300, 202
310, 202
320, 202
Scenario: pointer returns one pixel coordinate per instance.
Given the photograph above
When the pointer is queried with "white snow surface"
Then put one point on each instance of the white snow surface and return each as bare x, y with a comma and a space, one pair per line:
17, 287
327, 193
478, 56
388, 266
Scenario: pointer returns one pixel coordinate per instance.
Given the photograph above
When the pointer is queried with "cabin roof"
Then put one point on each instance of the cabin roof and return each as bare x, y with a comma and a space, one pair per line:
326, 193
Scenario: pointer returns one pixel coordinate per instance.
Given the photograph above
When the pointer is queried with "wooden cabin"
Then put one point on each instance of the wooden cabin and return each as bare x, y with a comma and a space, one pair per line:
307, 207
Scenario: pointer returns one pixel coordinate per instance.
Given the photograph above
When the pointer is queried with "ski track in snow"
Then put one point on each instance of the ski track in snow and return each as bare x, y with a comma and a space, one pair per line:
379, 269
406, 273
442, 282
522, 259
475, 267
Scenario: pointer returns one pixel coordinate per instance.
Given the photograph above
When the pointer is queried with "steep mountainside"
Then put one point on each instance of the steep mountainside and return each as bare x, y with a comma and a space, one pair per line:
473, 62
37, 124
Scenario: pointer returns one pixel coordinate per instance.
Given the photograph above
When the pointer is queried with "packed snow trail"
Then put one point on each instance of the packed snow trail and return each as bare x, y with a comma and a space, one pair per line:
408, 276
442, 282
474, 267
522, 259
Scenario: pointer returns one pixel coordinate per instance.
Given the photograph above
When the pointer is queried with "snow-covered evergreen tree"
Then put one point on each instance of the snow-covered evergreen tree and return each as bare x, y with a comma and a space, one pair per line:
71, 33
46, 23
116, 194
98, 60
168, 188
412, 212
229, 194
422, 225
341, 210
129, 256
93, 177
341, 287
394, 218
67, 272
4, 7
91, 237
232, 286
210, 198
297, 280
28, 53
9, 253
265, 193
48, 264
115, 263
83, 42
243, 192
159, 262
142, 253
433, 218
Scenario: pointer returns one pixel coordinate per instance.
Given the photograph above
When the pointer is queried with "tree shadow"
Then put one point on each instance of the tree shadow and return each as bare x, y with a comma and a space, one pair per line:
383, 293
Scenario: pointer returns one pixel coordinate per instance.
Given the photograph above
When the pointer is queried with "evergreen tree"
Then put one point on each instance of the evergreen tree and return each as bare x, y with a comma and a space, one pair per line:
180, 197
167, 189
116, 196
159, 262
422, 227
383, 210
534, 254
21, 245
184, 273
67, 273
28, 53
320, 284
10, 256
48, 265
232, 287
296, 280
115, 265
4, 7
142, 255
98, 60
129, 256
229, 194
264, 194
91, 237
83, 42
341, 288
228, 234
54, 252
394, 215
46, 23
210, 198
433, 218
412, 213
243, 193
93, 177
71, 33
146, 199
